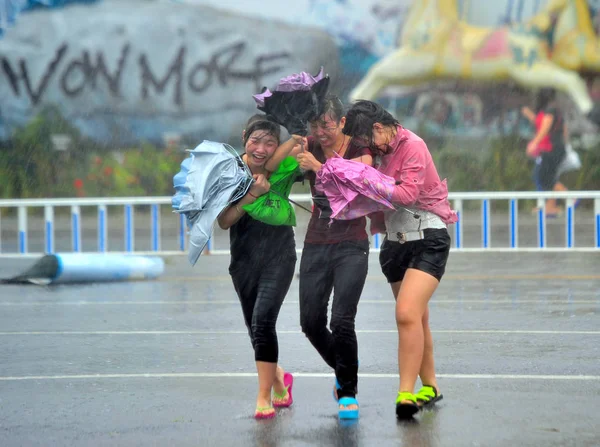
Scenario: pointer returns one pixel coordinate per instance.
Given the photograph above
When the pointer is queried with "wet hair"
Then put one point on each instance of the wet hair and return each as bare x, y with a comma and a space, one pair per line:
333, 107
259, 121
361, 117
544, 98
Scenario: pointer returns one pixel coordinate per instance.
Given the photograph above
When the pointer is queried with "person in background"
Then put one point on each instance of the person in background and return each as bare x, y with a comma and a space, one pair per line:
547, 146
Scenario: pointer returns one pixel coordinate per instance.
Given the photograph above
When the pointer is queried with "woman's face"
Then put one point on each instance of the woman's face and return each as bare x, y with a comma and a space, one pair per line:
327, 130
260, 147
381, 137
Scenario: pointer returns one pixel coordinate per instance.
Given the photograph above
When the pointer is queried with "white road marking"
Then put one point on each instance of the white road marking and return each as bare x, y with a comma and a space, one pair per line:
296, 374
296, 332
435, 302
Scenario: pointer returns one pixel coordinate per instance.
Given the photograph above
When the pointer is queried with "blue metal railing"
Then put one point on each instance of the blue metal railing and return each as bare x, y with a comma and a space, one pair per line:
103, 205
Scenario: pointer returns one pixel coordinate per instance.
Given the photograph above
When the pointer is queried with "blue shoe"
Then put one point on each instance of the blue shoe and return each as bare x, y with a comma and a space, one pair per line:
345, 413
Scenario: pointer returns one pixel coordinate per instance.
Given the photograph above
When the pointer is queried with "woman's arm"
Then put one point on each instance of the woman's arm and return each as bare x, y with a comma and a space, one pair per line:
412, 174
528, 113
366, 159
290, 148
233, 213
308, 161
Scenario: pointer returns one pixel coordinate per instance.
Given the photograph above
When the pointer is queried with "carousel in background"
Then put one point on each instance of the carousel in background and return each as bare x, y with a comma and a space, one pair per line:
452, 75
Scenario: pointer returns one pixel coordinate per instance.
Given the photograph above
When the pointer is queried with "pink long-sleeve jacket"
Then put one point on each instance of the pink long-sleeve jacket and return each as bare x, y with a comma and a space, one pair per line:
409, 162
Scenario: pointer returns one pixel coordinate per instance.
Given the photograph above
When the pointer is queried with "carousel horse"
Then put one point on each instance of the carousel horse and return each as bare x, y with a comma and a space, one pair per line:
575, 45
435, 44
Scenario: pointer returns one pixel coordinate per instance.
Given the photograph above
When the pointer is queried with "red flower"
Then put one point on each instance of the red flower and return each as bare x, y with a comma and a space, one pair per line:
108, 171
78, 183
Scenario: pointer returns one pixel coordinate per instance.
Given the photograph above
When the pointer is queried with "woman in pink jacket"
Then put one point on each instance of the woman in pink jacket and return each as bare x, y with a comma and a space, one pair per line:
416, 246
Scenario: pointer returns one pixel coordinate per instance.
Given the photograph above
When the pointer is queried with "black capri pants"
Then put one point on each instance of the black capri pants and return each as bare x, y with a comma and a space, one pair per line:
261, 290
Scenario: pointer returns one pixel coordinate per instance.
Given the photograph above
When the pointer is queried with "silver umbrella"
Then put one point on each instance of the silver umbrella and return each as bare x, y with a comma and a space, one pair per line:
211, 178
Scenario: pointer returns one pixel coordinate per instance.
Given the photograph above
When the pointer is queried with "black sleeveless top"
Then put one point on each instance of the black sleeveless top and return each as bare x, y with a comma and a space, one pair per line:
256, 244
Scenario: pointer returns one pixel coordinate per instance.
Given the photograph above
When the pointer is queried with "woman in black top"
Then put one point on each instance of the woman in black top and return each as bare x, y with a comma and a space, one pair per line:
263, 260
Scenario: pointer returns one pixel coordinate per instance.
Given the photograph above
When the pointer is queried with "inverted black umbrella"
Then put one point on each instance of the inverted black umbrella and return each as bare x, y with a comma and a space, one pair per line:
296, 100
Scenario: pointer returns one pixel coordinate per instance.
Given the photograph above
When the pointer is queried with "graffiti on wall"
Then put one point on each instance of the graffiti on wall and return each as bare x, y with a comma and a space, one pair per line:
119, 81
178, 84
73, 74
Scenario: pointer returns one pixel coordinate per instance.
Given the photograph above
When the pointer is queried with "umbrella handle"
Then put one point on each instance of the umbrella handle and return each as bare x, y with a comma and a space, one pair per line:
287, 198
290, 200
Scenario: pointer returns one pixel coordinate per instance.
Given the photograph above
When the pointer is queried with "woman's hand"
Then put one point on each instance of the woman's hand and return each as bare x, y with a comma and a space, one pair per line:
299, 139
299, 144
308, 162
260, 186
532, 149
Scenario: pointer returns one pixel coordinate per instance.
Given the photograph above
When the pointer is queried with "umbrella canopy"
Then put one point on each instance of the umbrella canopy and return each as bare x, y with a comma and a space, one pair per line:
210, 179
354, 189
296, 100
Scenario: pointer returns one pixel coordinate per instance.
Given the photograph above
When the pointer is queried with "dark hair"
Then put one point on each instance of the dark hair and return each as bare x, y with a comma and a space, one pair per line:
361, 117
259, 121
544, 98
332, 106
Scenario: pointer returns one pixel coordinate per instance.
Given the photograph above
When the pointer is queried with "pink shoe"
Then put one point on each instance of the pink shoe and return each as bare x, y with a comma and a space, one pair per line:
285, 399
264, 413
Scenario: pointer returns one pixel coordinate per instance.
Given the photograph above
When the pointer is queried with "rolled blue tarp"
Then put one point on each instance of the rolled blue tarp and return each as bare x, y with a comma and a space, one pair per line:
88, 268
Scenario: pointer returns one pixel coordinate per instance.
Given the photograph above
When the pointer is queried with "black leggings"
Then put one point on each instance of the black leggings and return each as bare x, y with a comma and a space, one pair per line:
340, 267
261, 292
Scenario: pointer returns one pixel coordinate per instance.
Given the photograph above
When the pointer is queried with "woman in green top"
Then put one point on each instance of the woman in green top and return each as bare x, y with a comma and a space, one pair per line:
263, 260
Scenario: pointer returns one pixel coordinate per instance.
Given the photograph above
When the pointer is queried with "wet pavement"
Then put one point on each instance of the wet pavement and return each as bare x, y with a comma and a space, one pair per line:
169, 362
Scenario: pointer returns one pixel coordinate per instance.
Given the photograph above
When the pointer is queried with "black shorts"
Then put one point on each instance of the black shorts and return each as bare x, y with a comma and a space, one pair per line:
548, 171
428, 255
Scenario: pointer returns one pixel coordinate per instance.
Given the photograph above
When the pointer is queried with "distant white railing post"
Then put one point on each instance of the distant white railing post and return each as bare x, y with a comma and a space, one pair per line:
182, 230
513, 222
22, 237
458, 227
129, 232
541, 220
570, 223
155, 234
49, 228
597, 214
76, 228
102, 228
485, 223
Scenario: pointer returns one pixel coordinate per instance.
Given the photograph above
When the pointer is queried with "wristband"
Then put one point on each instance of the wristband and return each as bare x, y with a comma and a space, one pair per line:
252, 195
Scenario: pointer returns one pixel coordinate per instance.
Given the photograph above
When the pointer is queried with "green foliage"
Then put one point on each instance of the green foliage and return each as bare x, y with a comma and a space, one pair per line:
144, 171
31, 168
29, 165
